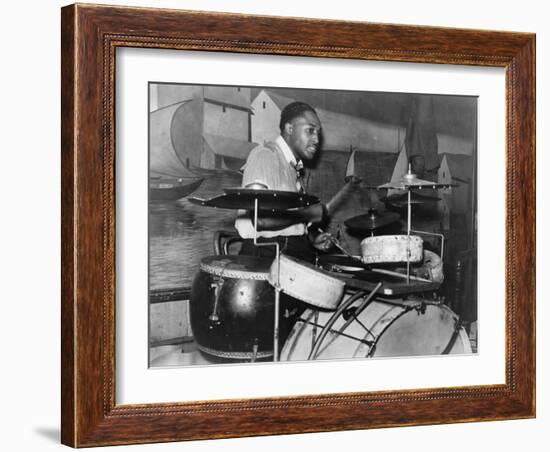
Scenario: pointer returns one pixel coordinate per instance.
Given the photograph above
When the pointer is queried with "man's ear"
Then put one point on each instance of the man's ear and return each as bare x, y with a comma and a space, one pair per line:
288, 128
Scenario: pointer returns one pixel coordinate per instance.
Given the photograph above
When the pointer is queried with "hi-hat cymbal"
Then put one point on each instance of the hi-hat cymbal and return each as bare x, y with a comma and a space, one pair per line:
244, 198
371, 220
410, 181
416, 198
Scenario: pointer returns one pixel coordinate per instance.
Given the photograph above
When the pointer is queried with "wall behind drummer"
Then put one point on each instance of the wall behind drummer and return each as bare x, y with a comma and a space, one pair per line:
277, 165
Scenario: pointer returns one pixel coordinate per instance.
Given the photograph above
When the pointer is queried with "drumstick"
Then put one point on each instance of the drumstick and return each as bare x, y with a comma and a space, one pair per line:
336, 243
400, 275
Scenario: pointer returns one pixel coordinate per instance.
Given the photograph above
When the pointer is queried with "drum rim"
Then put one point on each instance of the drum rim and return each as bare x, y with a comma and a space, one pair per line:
234, 355
210, 266
311, 269
381, 238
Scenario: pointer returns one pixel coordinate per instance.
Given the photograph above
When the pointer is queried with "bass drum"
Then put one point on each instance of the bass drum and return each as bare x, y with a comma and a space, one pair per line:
231, 307
382, 328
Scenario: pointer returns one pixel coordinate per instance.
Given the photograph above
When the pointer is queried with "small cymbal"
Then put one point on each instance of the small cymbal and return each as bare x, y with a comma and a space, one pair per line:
371, 220
244, 198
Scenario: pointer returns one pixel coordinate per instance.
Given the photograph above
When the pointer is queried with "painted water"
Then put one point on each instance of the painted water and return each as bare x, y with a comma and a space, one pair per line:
181, 234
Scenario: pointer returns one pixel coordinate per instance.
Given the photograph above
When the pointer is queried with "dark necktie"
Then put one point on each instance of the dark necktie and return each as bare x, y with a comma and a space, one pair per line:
299, 167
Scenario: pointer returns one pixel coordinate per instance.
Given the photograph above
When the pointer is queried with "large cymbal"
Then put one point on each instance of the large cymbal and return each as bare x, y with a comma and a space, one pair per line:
371, 220
416, 198
244, 198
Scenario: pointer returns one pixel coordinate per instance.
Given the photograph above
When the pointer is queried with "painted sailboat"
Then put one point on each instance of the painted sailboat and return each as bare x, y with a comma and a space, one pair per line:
170, 188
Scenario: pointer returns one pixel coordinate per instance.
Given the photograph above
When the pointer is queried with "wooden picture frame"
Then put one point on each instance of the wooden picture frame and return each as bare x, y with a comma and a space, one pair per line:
90, 37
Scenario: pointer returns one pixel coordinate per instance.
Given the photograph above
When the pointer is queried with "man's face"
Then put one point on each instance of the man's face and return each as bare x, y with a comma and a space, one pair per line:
303, 135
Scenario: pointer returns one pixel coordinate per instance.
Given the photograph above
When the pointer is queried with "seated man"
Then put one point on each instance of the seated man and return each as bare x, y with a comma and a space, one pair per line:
278, 165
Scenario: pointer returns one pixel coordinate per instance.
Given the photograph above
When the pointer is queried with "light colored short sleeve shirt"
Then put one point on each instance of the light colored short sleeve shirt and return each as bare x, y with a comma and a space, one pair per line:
272, 165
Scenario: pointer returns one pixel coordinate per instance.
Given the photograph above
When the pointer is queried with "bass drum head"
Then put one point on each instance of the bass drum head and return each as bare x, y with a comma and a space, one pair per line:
381, 330
413, 333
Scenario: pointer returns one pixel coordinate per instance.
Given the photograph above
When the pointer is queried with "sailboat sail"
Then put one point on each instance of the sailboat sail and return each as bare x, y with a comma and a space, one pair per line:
350, 168
164, 158
399, 170
169, 175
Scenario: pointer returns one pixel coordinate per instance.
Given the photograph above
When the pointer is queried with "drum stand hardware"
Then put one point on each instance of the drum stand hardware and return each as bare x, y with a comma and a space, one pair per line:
435, 234
339, 332
409, 182
421, 308
254, 351
350, 314
454, 337
277, 284
340, 311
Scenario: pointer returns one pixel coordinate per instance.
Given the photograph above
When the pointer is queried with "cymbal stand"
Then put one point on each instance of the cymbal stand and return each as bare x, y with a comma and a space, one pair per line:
277, 282
409, 211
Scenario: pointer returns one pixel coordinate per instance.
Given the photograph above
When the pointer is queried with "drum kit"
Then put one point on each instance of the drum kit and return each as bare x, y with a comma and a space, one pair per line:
367, 305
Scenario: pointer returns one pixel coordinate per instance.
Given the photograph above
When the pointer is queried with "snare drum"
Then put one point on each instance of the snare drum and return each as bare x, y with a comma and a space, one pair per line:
232, 306
382, 328
391, 248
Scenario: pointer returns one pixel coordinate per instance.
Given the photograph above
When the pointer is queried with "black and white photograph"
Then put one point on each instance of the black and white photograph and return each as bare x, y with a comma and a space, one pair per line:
291, 224
186, 268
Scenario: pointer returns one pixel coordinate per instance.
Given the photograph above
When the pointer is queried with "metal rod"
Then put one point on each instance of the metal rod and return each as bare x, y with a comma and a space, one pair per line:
409, 209
277, 308
332, 320
277, 282
473, 193
353, 317
334, 317
441, 236
338, 333
255, 220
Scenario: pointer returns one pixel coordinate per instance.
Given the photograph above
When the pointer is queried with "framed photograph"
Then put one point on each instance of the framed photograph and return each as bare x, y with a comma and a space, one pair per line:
283, 225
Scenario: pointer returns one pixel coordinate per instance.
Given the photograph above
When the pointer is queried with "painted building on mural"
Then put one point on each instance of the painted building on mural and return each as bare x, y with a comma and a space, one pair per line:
203, 127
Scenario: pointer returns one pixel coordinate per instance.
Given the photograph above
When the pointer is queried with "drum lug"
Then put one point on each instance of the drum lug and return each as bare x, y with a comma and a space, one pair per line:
254, 351
349, 313
421, 308
216, 285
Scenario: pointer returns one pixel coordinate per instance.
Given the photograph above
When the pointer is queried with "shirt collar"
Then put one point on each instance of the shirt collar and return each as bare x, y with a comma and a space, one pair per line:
289, 155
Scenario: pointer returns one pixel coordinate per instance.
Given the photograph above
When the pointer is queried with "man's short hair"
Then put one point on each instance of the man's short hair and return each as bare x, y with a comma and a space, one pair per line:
294, 110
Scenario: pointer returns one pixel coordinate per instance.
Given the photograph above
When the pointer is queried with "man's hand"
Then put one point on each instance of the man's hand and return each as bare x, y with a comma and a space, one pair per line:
323, 242
313, 214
